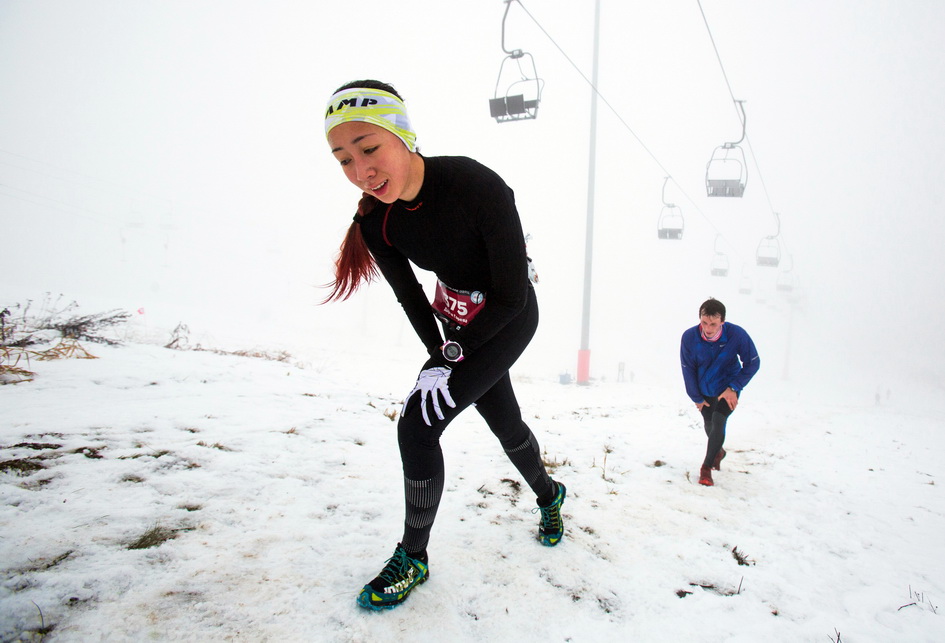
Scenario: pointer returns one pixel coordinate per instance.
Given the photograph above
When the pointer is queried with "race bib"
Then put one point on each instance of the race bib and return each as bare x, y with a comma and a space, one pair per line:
459, 306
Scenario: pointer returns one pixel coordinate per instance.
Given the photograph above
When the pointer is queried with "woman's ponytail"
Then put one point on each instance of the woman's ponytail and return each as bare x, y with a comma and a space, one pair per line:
355, 263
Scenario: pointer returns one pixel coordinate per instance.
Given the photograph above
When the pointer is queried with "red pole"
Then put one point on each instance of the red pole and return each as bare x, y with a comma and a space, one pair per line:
584, 366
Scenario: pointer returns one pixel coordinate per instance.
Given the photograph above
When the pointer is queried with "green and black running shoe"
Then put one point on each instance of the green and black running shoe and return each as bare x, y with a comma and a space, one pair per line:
395, 582
551, 528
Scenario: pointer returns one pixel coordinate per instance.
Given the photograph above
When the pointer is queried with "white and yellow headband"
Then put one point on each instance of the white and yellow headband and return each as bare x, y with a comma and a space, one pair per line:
371, 106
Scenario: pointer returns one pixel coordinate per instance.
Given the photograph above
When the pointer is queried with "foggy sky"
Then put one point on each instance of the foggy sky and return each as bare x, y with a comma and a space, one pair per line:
169, 156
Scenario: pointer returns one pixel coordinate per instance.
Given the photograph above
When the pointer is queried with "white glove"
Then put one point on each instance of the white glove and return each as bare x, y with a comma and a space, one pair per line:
430, 382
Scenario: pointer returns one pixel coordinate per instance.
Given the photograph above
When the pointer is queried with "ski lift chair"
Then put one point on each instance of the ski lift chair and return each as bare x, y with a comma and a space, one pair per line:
744, 288
522, 94
671, 224
785, 280
719, 261
744, 284
719, 265
725, 173
521, 97
768, 253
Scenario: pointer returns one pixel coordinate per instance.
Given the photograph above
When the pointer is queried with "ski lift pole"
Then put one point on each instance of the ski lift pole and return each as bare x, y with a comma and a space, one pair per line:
584, 354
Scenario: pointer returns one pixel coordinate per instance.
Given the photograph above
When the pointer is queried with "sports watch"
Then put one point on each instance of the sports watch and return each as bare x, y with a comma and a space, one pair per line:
452, 351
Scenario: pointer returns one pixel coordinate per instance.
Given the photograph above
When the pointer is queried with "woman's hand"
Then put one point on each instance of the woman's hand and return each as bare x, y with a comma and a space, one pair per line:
431, 382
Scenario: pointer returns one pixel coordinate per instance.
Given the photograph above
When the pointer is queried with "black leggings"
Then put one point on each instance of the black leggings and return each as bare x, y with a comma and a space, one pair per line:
715, 415
483, 379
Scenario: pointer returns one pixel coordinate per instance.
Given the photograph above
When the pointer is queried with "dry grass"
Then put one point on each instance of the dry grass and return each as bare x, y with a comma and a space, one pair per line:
552, 463
153, 537
21, 466
11, 372
215, 445
67, 348
31, 328
741, 557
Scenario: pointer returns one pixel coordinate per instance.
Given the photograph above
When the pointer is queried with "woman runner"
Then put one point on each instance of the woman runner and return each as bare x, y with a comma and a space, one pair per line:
456, 218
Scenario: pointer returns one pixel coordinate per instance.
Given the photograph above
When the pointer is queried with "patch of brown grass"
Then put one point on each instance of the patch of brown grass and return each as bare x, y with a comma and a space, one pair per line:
21, 466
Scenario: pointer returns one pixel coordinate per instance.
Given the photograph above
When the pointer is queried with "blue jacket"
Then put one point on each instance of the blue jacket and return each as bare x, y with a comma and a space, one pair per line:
709, 367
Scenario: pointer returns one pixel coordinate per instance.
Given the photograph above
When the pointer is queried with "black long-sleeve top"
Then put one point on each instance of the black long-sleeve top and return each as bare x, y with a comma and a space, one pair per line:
464, 227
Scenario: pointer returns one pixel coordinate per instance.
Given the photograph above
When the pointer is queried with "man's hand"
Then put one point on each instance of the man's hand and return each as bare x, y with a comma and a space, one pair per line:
730, 397
701, 405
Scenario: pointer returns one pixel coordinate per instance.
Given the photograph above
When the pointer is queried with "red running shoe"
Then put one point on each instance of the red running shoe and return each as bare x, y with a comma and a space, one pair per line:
705, 476
718, 460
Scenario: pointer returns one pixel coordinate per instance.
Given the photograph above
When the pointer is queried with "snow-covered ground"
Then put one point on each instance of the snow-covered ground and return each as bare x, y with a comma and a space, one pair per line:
280, 484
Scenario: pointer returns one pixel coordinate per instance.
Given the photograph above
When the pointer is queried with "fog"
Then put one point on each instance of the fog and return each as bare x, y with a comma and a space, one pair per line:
169, 159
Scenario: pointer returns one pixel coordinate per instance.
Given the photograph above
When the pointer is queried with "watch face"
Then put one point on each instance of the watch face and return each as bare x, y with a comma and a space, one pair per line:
452, 351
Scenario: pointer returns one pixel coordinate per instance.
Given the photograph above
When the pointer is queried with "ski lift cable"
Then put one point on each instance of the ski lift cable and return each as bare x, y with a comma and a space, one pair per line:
67, 175
55, 204
741, 115
717, 55
624, 123
739, 109
764, 187
99, 184
596, 91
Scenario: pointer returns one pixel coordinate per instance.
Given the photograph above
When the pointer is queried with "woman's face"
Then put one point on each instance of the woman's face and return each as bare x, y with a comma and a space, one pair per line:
376, 161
